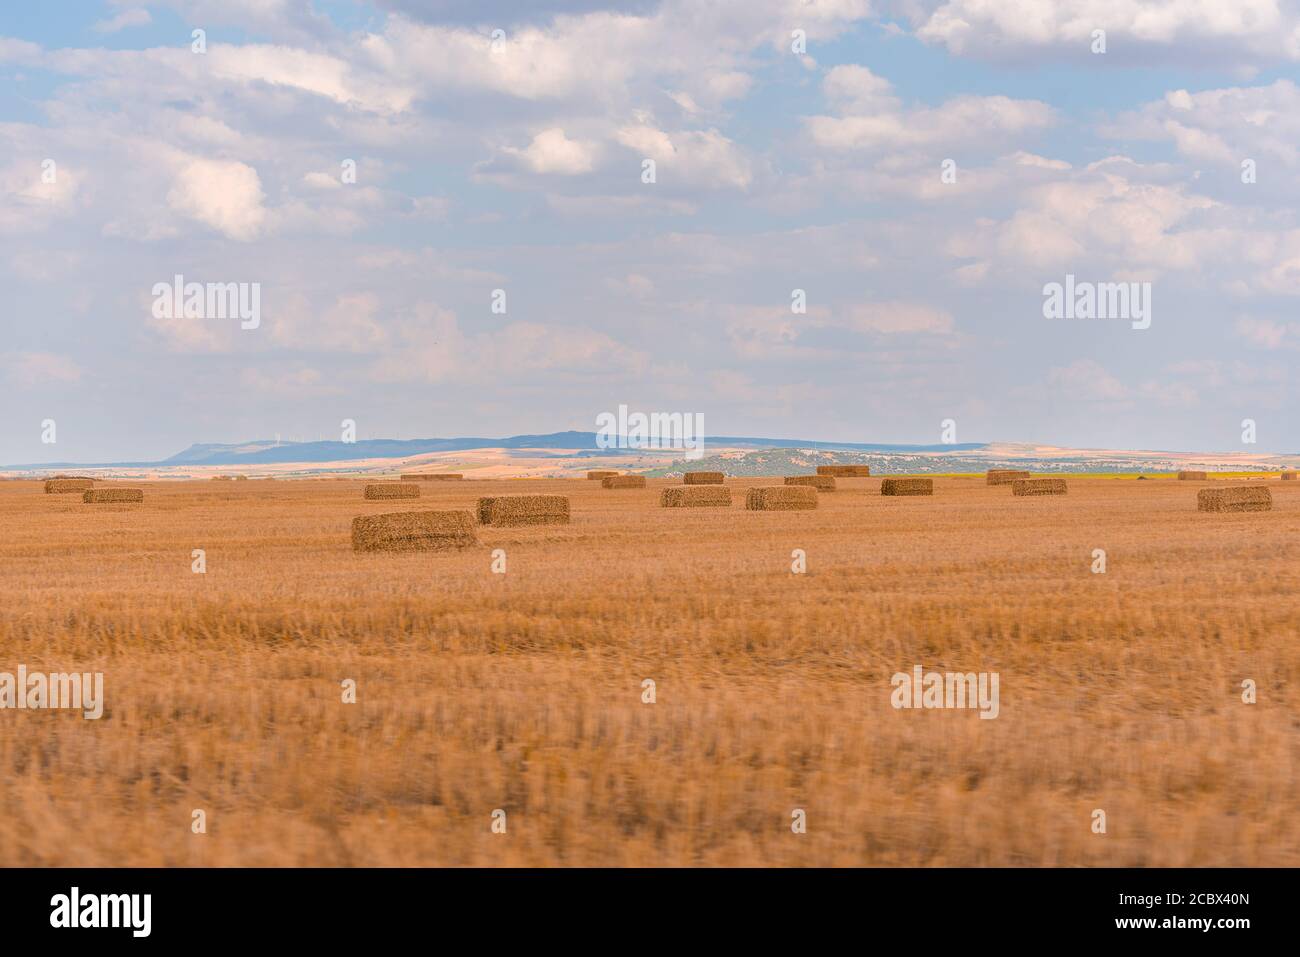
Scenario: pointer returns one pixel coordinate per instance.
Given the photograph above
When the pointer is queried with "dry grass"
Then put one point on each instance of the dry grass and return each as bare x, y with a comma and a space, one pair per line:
601, 473
432, 477
98, 495
623, 481
1242, 498
1039, 486
703, 478
390, 490
695, 496
907, 486
521, 691
423, 531
520, 510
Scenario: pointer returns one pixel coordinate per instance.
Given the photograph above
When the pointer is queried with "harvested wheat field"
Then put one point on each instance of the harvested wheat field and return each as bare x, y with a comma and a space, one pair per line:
1193, 476
703, 478
522, 691
432, 477
601, 473
623, 481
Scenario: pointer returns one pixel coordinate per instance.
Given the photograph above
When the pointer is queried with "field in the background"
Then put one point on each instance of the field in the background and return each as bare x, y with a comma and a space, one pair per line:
478, 691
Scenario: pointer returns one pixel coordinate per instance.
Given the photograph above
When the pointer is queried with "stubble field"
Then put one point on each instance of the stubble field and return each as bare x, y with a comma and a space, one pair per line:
523, 691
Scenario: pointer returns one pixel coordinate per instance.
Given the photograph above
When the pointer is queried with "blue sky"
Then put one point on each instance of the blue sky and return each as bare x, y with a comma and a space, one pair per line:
518, 166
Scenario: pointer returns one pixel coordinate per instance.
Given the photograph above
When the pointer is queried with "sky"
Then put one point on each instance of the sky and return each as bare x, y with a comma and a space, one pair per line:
832, 220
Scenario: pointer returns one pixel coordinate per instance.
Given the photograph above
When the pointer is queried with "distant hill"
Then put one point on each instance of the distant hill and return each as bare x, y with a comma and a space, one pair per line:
268, 451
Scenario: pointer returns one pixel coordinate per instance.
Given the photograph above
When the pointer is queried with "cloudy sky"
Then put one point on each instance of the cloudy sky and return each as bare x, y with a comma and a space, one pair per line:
797, 145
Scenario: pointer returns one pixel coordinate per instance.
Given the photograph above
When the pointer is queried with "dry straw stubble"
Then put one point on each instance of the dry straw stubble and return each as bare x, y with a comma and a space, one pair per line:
696, 496
703, 478
623, 481
508, 510
389, 490
780, 498
423, 531
431, 476
1240, 498
1041, 486
1190, 476
601, 473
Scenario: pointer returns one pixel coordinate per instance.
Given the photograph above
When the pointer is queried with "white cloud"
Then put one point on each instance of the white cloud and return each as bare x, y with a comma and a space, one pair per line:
1243, 31
38, 369
130, 17
223, 194
553, 152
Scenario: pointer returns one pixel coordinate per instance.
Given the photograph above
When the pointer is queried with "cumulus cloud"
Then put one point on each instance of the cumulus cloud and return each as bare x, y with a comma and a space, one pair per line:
552, 152
1243, 32
223, 194
872, 118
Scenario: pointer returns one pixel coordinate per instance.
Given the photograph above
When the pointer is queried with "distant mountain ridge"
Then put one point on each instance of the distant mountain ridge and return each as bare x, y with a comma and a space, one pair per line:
268, 451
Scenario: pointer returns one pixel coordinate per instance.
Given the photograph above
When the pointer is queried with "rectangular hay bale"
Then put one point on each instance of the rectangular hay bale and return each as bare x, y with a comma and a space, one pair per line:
1004, 476
1041, 486
413, 531
113, 495
822, 483
63, 486
601, 473
703, 478
508, 510
386, 490
845, 471
695, 496
1188, 476
780, 498
907, 486
623, 481
1240, 498
1289, 476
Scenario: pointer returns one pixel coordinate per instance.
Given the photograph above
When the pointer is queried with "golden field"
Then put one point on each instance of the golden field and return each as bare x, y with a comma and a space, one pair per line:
479, 691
